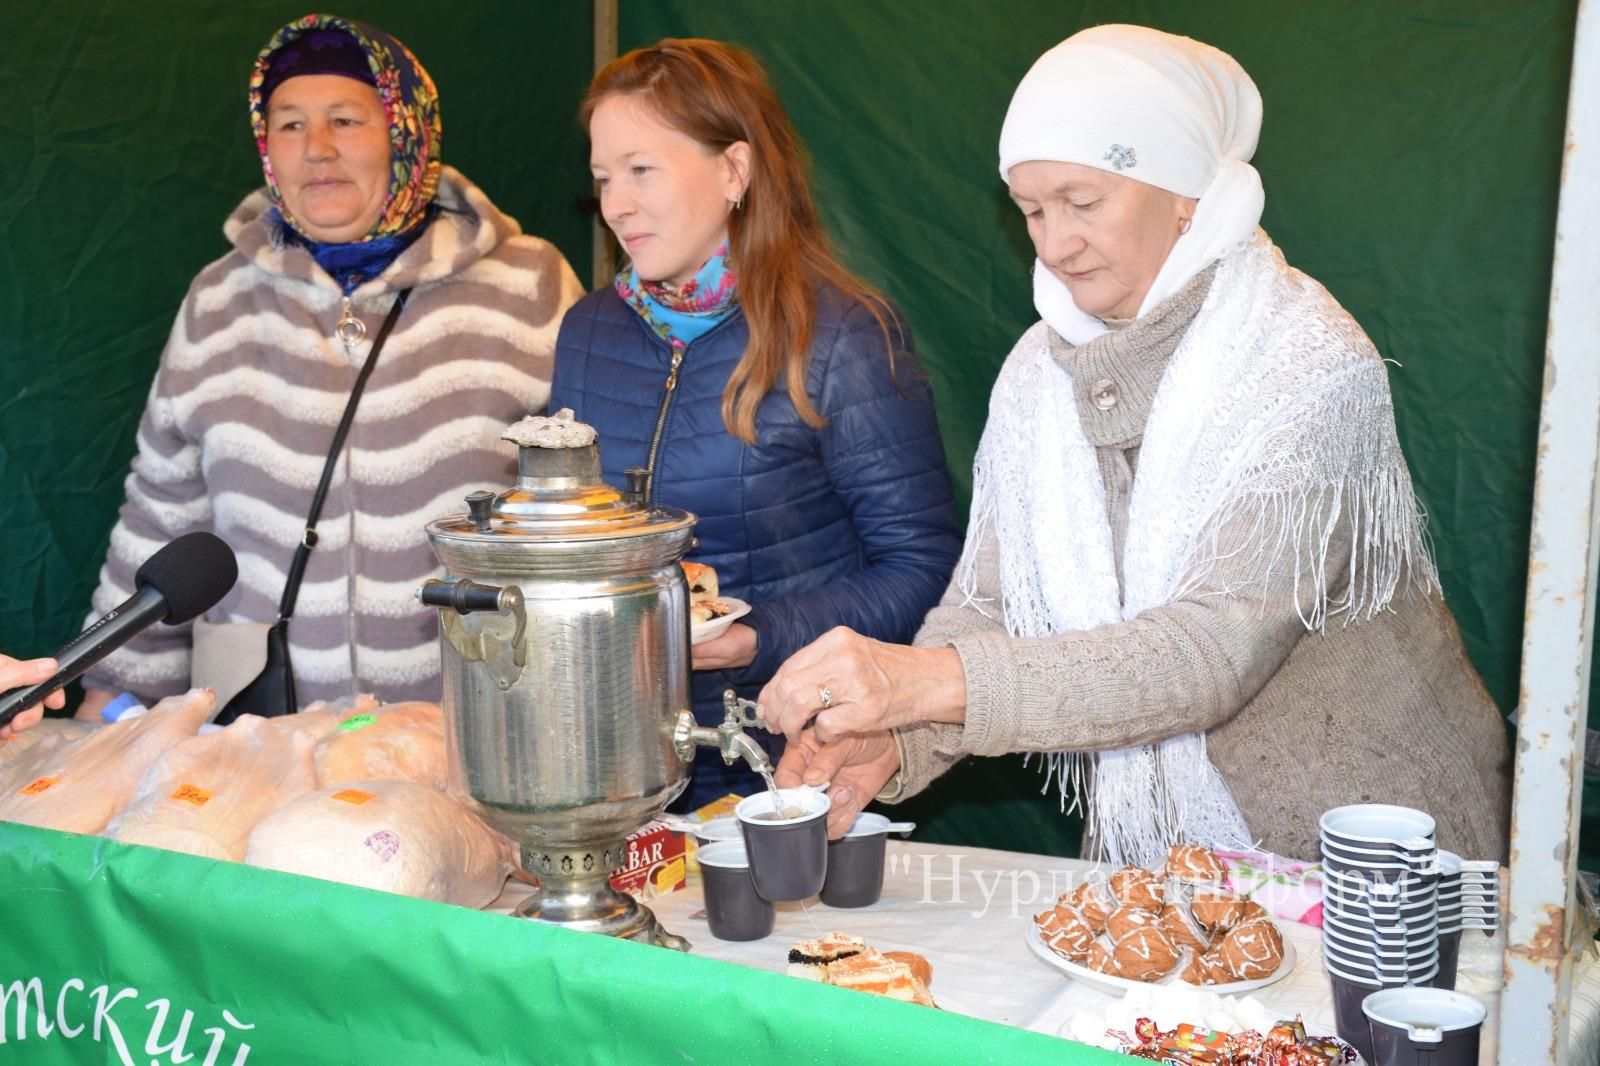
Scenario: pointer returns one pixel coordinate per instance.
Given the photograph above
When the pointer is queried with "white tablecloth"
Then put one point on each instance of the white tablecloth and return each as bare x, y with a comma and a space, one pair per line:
968, 910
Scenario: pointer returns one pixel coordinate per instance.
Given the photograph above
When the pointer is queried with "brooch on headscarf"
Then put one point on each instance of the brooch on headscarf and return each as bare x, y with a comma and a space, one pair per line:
1121, 157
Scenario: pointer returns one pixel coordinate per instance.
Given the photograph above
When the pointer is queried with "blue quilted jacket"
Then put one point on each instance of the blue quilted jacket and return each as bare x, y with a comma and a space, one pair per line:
852, 524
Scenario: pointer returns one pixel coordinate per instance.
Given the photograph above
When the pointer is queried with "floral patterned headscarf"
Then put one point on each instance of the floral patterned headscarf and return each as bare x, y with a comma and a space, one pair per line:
410, 103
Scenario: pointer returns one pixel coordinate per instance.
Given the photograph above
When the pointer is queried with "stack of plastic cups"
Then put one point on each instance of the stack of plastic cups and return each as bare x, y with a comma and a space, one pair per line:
1380, 925
1469, 898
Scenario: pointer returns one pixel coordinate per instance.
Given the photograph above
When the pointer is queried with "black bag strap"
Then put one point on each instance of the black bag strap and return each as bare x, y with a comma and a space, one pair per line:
308, 540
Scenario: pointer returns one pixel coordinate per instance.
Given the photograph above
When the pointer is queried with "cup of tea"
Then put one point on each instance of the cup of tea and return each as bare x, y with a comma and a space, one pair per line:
734, 910
855, 863
787, 840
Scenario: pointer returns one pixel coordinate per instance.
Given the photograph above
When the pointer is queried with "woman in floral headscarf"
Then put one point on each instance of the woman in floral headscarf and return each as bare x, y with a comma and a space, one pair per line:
358, 213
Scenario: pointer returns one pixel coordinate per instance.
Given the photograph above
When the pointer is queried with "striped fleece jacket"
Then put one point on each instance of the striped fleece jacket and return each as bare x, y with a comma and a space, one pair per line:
250, 388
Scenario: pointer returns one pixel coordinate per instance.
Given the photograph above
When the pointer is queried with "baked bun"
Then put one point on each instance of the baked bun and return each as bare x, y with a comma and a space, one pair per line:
1252, 950
1065, 931
1220, 974
921, 968
706, 610
809, 959
1126, 919
1101, 960
1194, 864
1220, 911
1094, 901
1183, 930
1145, 954
702, 581
1196, 970
871, 971
1134, 886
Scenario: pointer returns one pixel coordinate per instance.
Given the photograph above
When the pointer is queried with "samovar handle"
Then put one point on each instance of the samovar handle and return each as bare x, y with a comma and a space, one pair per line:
504, 658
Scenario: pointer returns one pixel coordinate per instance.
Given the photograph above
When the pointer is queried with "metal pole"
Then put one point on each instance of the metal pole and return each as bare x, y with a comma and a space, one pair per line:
603, 254
1559, 623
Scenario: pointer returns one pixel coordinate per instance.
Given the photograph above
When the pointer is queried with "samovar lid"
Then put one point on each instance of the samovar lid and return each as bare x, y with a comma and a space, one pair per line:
559, 494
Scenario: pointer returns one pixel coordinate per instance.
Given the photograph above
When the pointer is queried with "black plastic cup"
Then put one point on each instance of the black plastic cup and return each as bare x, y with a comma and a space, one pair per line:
734, 910
788, 859
1354, 896
1423, 1027
855, 864
1415, 964
723, 828
1359, 885
1364, 925
1449, 952
1348, 1019
1393, 873
1405, 942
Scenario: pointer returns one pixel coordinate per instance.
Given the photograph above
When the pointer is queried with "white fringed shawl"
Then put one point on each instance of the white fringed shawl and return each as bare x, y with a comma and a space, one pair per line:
1274, 416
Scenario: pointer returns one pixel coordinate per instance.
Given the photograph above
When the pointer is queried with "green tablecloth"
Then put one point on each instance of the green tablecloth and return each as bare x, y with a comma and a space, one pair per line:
118, 954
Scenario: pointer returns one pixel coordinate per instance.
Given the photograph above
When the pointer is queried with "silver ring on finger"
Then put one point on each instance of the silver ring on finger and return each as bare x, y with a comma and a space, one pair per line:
825, 694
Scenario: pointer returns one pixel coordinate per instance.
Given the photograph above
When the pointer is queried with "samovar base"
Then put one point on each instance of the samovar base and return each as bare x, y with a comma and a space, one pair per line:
592, 907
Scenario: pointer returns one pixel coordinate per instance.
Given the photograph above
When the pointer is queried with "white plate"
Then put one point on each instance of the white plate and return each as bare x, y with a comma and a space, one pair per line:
700, 632
1118, 985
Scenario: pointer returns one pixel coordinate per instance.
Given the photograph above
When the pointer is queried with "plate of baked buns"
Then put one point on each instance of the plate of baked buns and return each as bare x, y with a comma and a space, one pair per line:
710, 615
1178, 923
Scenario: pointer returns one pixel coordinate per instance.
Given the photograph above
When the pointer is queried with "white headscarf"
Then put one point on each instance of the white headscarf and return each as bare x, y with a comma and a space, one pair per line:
1162, 109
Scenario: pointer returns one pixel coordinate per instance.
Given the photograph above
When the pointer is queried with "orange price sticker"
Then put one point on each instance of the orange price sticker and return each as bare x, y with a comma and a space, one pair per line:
352, 795
39, 785
192, 794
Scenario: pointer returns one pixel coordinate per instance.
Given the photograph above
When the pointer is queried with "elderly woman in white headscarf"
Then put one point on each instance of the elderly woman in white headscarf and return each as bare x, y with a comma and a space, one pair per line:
1196, 580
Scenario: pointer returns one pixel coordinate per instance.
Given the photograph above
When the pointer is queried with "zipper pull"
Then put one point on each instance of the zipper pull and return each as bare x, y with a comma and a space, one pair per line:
672, 374
350, 330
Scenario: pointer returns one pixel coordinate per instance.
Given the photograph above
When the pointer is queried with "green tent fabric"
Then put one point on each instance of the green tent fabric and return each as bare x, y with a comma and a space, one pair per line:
124, 144
1410, 155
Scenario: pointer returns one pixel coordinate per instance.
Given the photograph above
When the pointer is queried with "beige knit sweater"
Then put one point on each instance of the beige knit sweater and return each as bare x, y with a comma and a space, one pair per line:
239, 419
1386, 711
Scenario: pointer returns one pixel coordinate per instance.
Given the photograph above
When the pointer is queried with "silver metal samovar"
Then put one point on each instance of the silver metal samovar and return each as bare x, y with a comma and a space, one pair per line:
564, 633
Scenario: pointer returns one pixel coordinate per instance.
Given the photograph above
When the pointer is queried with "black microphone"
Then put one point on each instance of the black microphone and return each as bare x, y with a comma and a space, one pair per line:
177, 583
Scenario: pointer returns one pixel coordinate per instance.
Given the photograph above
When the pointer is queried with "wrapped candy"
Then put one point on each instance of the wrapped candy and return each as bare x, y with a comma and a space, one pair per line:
1286, 1044
1286, 1035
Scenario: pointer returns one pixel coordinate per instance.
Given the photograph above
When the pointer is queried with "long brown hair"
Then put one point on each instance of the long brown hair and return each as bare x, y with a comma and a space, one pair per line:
718, 94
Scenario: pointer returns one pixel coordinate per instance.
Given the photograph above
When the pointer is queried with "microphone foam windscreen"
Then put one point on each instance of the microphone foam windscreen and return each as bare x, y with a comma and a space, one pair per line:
192, 573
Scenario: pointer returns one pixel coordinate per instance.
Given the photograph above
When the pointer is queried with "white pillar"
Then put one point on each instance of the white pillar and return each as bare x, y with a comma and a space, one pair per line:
1557, 636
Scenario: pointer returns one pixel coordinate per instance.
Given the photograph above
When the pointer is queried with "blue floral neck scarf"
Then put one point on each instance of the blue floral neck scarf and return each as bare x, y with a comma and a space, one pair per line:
681, 315
353, 265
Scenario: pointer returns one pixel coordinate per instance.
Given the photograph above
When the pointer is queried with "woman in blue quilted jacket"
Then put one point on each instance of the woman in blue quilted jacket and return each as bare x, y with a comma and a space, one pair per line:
760, 384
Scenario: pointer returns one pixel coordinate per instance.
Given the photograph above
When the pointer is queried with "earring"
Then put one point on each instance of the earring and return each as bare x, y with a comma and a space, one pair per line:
1184, 224
739, 203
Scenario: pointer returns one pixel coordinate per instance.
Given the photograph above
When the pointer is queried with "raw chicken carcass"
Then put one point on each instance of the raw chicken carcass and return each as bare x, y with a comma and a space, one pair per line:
87, 782
50, 733
205, 794
25, 752
395, 742
394, 836
320, 718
